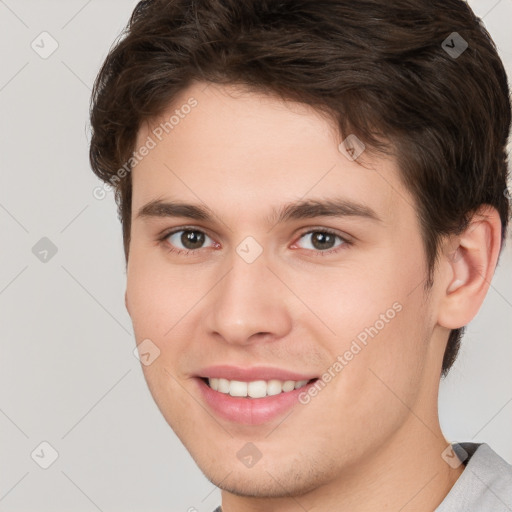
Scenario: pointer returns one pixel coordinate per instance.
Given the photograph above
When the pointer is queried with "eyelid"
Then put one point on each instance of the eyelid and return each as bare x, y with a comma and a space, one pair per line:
170, 231
323, 229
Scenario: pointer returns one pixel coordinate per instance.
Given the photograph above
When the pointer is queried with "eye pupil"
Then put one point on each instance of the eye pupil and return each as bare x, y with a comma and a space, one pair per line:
192, 239
322, 240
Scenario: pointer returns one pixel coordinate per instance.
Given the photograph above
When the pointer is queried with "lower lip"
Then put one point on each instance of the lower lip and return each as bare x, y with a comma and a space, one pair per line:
250, 411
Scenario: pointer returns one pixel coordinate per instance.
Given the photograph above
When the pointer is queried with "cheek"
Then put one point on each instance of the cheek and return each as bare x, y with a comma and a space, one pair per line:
378, 321
390, 368
160, 307
354, 297
157, 297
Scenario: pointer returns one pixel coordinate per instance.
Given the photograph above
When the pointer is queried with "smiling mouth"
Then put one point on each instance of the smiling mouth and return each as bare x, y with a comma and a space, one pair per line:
256, 388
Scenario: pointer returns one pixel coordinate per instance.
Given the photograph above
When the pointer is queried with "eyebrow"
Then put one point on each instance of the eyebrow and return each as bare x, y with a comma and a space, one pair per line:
336, 207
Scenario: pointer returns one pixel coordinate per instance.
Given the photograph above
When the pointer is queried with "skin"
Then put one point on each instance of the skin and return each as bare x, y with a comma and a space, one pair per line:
370, 440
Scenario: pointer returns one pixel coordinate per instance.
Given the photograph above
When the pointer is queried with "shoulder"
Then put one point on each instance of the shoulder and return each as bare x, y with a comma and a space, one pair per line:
485, 484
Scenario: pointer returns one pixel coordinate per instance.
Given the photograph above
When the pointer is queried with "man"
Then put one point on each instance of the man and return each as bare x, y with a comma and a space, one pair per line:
313, 200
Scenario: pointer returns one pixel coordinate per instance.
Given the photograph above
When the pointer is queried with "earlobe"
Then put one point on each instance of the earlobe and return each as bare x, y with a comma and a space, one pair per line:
469, 268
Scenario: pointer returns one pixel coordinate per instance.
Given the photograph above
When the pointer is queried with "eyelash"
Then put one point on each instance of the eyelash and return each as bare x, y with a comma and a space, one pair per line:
191, 252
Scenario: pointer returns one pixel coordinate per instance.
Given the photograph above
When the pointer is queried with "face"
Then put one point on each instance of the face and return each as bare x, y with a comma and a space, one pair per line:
264, 261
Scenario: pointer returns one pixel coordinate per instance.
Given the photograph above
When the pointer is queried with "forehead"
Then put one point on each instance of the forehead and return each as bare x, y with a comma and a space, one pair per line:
223, 145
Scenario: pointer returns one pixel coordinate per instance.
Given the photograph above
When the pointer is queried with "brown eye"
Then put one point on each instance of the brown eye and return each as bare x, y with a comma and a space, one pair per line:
188, 239
321, 240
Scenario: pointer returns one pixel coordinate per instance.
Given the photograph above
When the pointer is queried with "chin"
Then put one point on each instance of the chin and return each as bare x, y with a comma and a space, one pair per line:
269, 480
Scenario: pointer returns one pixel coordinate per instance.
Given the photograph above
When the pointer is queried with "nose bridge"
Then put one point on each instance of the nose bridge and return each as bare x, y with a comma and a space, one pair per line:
248, 300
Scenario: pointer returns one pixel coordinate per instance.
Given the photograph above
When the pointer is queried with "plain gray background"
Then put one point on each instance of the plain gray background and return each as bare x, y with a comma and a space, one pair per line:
68, 375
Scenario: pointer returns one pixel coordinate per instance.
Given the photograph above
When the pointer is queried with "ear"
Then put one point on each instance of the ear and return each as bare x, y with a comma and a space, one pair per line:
468, 263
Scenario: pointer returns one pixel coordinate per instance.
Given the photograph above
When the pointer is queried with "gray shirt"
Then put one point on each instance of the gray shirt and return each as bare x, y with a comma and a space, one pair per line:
485, 485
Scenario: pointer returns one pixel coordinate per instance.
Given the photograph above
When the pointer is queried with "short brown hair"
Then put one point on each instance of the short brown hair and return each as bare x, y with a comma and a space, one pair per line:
382, 70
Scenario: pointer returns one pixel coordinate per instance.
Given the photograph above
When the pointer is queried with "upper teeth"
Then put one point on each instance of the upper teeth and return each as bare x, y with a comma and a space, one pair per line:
256, 388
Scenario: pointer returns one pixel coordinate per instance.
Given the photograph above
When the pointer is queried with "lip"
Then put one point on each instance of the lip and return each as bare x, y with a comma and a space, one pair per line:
251, 374
250, 411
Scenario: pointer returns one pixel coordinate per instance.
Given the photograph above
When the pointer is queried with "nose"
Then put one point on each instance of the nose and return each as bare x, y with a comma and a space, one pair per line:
248, 304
